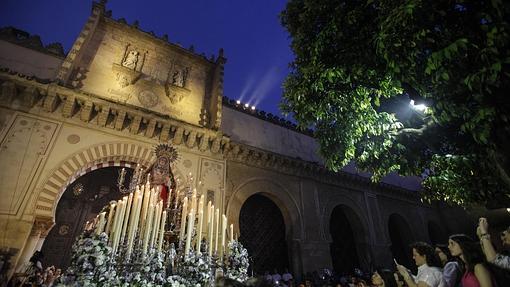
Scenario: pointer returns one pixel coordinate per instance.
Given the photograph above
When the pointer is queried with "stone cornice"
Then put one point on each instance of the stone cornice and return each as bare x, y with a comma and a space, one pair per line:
252, 156
29, 94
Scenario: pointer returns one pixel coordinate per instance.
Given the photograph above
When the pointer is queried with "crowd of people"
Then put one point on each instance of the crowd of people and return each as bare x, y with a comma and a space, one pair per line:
463, 261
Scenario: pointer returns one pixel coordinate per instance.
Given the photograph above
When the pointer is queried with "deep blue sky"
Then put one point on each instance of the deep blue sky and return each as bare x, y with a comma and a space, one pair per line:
256, 45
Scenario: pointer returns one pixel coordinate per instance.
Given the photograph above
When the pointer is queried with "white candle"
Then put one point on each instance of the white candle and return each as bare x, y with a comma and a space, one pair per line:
157, 220
132, 213
216, 229
231, 232
189, 233
162, 230
183, 218
118, 225
211, 229
223, 230
114, 224
199, 233
208, 217
100, 223
110, 219
148, 225
134, 226
126, 217
145, 205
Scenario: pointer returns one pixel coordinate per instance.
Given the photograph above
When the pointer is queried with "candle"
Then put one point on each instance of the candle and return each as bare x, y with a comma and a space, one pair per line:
100, 223
211, 227
126, 217
231, 232
162, 230
110, 218
176, 199
194, 202
134, 226
190, 232
114, 224
223, 230
145, 205
132, 214
155, 229
199, 233
118, 225
148, 225
217, 228
208, 215
183, 218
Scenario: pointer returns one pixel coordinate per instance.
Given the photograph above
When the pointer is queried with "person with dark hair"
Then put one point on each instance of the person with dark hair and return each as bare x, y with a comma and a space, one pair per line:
498, 259
383, 278
469, 251
452, 272
429, 272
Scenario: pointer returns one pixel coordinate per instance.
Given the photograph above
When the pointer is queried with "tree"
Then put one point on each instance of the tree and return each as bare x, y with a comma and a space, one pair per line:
357, 65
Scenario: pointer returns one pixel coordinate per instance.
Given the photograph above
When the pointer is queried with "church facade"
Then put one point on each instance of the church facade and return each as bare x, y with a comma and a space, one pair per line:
119, 91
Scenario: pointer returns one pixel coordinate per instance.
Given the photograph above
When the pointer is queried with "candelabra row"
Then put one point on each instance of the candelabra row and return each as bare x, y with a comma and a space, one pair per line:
139, 221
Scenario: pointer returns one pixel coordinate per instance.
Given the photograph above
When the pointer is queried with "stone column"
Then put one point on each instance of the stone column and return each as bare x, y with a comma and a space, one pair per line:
40, 229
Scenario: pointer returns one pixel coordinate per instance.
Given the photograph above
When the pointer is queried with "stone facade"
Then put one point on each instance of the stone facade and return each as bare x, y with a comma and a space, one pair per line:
119, 91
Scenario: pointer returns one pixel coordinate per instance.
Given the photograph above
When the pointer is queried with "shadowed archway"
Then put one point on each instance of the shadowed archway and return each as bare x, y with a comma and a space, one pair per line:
81, 202
401, 237
347, 232
263, 234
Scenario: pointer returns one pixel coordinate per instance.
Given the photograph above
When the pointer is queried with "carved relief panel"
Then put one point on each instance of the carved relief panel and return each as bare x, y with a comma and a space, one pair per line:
212, 176
22, 151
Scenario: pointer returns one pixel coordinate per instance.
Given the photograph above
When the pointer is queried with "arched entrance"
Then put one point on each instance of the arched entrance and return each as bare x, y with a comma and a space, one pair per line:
262, 229
401, 237
81, 202
346, 230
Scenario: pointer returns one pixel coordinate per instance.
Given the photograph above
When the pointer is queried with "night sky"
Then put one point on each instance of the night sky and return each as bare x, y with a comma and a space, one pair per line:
256, 45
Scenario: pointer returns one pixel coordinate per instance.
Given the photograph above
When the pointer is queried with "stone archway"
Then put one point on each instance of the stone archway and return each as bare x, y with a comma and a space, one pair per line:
401, 237
82, 200
286, 204
83, 161
262, 232
347, 234
356, 220
75, 165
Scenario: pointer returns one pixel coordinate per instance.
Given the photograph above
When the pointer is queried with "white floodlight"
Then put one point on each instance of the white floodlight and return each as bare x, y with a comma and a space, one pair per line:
253, 108
238, 102
420, 107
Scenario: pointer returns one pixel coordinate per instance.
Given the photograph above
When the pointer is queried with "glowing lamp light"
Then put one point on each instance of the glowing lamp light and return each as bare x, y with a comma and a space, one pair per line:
246, 105
420, 107
238, 102
508, 209
252, 108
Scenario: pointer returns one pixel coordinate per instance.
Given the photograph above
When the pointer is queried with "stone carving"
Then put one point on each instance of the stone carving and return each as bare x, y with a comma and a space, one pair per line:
176, 84
131, 59
178, 78
148, 98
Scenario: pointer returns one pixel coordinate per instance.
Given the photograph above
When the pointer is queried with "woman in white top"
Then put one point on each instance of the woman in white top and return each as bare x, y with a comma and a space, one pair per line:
429, 272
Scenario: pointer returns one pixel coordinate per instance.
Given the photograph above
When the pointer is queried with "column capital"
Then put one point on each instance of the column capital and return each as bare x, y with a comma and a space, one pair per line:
42, 226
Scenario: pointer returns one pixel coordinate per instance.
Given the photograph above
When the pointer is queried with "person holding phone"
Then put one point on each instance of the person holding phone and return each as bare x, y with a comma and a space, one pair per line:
429, 272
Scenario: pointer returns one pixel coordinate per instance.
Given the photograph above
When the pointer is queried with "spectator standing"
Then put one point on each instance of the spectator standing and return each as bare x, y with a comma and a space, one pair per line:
452, 272
476, 273
429, 272
500, 260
